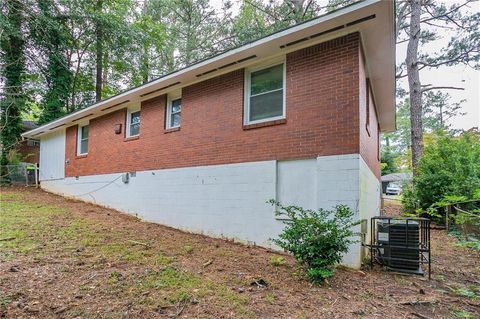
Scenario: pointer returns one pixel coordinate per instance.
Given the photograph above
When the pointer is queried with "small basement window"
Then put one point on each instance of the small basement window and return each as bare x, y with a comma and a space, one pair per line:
174, 112
133, 123
265, 93
82, 140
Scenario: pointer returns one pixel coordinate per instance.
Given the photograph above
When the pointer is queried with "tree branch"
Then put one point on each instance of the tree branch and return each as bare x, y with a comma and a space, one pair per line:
458, 58
446, 14
429, 88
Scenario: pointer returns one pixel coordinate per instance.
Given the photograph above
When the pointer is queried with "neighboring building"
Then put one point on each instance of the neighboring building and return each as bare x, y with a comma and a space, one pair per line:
293, 116
397, 178
29, 149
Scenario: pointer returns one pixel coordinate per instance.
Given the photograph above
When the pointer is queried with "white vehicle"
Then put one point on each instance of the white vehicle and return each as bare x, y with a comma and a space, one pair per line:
393, 189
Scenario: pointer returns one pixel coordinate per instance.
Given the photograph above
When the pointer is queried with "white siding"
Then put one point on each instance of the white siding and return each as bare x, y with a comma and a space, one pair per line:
52, 156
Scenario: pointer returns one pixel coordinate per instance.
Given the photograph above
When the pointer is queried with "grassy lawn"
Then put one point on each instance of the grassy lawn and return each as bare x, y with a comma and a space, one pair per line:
49, 231
66, 259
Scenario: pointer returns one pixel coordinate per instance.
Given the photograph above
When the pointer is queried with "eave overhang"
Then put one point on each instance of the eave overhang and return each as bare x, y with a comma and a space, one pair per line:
374, 19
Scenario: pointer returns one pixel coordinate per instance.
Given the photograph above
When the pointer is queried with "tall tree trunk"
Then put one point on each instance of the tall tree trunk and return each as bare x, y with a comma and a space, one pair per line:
99, 53
441, 117
144, 62
414, 83
297, 10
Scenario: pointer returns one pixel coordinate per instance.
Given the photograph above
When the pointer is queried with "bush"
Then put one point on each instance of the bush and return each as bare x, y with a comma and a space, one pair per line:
450, 166
317, 239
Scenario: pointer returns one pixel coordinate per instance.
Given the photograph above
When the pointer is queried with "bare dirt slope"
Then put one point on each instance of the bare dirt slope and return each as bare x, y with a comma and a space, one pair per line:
61, 258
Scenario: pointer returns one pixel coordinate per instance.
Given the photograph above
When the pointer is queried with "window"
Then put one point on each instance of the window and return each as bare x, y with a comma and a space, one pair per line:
174, 112
82, 140
33, 143
265, 94
133, 123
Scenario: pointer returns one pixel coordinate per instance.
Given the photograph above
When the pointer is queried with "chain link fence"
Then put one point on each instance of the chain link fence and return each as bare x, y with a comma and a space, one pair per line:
23, 174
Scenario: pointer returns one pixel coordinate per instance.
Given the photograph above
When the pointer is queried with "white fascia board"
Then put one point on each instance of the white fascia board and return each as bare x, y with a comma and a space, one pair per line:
263, 48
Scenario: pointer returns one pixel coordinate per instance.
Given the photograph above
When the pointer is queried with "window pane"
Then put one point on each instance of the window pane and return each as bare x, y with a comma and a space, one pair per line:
84, 131
267, 80
177, 106
84, 146
134, 129
135, 123
266, 105
175, 120
135, 118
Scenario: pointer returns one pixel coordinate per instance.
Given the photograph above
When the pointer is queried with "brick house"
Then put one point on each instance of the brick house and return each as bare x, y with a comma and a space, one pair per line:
295, 116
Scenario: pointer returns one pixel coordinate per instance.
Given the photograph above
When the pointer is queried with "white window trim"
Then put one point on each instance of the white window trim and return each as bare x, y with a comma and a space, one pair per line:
79, 139
246, 103
171, 98
129, 120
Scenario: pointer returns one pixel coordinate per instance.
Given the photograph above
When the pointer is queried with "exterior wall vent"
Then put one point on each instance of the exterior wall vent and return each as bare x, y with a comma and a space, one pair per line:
370, 17
118, 104
227, 65
160, 89
329, 31
125, 178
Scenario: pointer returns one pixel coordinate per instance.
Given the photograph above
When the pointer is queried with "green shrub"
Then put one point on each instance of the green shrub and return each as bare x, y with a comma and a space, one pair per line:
317, 239
450, 166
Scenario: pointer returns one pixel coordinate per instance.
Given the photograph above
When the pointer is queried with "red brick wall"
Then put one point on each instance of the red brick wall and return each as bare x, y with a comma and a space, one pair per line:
30, 154
369, 134
322, 119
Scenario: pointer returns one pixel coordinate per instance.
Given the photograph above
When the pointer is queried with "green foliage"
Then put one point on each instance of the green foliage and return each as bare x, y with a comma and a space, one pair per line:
79, 50
317, 239
188, 249
14, 157
476, 194
12, 60
277, 261
450, 166
50, 33
472, 244
437, 110
387, 161
249, 23
464, 314
467, 292
463, 218
270, 298
5, 301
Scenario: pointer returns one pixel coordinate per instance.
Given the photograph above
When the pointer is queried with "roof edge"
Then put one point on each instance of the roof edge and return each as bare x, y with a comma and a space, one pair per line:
61, 122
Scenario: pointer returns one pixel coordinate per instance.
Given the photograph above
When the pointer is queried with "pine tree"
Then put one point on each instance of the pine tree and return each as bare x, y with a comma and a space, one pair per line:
420, 22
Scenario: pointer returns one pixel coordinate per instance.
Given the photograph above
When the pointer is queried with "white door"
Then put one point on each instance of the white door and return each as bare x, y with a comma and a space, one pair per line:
52, 156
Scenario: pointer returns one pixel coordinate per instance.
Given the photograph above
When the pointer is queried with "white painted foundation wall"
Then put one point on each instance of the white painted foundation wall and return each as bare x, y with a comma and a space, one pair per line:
230, 200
